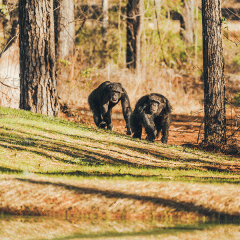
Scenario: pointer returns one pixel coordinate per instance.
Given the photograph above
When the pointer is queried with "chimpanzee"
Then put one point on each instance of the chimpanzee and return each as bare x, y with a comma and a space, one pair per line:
103, 99
152, 111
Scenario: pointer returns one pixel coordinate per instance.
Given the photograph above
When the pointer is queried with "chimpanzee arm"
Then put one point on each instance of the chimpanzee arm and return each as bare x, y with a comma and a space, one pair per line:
106, 112
150, 127
127, 111
165, 128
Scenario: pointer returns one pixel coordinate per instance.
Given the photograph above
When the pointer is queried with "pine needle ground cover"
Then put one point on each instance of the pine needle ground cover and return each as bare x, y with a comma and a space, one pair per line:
72, 173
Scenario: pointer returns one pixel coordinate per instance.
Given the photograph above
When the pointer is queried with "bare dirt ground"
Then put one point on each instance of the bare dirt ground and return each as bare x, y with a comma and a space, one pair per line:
184, 130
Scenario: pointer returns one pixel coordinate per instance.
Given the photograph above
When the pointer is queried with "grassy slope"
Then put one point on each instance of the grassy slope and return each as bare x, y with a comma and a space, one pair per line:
53, 167
38, 144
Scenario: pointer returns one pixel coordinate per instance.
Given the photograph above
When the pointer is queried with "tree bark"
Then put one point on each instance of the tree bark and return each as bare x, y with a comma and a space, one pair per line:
135, 15
38, 90
213, 68
187, 22
104, 29
64, 28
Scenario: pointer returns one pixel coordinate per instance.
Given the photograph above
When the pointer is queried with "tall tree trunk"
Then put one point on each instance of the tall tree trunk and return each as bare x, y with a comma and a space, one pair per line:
213, 67
104, 31
135, 15
187, 22
64, 28
38, 92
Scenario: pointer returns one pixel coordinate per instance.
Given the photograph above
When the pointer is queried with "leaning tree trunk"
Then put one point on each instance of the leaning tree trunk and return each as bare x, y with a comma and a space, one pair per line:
213, 67
187, 22
135, 15
38, 92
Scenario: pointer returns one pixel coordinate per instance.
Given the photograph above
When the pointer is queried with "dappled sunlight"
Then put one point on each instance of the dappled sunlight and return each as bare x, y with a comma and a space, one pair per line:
119, 200
52, 147
56, 168
70, 146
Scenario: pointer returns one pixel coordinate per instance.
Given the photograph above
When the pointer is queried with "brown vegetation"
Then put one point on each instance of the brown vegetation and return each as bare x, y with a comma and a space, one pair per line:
119, 200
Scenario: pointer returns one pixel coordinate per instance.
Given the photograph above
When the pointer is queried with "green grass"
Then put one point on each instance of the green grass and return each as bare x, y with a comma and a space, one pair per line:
50, 164
32, 143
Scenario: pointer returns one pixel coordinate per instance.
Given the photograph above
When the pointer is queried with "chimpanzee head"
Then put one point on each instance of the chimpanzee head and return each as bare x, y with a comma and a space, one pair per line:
158, 103
153, 106
115, 92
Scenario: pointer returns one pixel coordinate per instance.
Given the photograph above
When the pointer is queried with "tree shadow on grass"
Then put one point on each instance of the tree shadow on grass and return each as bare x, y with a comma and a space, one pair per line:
141, 234
9, 170
39, 146
104, 174
144, 150
108, 174
177, 205
94, 155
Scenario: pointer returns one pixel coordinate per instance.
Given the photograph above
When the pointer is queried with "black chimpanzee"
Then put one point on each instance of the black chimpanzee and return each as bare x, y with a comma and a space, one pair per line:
152, 111
103, 99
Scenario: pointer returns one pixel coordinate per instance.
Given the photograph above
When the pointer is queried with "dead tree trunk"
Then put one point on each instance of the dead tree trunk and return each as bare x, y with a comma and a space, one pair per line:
213, 67
38, 88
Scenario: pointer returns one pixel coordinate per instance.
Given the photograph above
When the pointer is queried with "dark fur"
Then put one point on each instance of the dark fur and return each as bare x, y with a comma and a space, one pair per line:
103, 99
153, 113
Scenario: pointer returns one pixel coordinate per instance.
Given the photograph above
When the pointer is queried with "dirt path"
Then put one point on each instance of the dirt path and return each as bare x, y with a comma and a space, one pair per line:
183, 130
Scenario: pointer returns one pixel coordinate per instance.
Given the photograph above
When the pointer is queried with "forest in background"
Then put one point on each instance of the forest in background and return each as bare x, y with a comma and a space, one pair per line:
169, 66
52, 167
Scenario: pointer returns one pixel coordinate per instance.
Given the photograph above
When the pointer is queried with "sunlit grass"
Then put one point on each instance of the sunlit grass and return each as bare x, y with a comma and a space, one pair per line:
44, 145
53, 167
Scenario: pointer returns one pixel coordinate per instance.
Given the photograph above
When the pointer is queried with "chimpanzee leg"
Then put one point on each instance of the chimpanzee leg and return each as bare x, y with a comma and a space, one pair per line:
98, 118
107, 117
136, 126
165, 129
150, 128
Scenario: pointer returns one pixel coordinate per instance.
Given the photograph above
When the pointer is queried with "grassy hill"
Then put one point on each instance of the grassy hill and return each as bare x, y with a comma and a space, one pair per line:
56, 168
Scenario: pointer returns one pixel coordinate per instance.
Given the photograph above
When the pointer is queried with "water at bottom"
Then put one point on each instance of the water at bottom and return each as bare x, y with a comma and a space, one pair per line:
39, 228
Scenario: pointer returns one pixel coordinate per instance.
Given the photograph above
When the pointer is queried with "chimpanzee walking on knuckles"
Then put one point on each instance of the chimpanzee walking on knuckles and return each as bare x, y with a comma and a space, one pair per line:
152, 112
101, 101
